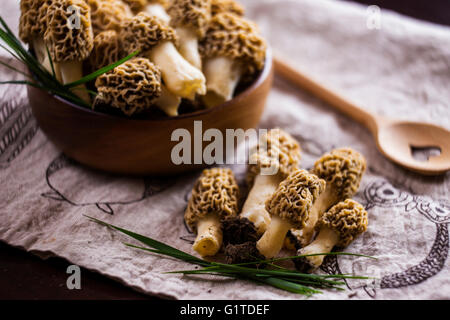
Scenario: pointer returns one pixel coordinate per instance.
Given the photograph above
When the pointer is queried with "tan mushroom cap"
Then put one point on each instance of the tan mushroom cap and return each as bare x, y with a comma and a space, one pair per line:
139, 5
107, 14
32, 19
348, 219
132, 86
294, 197
343, 169
282, 148
136, 5
106, 50
231, 36
190, 13
232, 6
66, 43
143, 32
216, 191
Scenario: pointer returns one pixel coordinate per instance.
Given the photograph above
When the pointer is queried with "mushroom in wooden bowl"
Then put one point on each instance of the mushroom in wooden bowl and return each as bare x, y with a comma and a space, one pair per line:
142, 141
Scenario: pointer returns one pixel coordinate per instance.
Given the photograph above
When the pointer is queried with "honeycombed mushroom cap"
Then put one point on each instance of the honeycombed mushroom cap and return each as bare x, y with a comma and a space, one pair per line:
107, 14
216, 191
348, 219
232, 6
282, 151
132, 86
136, 5
190, 13
295, 196
139, 5
32, 19
106, 50
67, 40
231, 36
342, 169
143, 32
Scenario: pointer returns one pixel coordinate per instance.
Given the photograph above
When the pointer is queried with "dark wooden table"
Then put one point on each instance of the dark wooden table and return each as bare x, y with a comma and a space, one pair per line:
24, 276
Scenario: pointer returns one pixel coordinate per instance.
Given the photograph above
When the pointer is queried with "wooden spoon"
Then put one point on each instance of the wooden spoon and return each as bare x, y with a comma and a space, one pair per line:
395, 138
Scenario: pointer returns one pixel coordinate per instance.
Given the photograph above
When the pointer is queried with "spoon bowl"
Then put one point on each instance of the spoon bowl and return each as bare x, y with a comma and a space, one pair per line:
397, 139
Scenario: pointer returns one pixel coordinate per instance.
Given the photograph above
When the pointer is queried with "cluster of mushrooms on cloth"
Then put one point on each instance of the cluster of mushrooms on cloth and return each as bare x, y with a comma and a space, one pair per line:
399, 69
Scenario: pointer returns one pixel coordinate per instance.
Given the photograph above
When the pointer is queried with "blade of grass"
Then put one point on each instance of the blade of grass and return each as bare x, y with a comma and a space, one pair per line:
10, 52
288, 286
288, 280
183, 257
259, 274
51, 61
229, 268
101, 71
168, 250
148, 241
326, 284
330, 284
8, 30
21, 82
22, 54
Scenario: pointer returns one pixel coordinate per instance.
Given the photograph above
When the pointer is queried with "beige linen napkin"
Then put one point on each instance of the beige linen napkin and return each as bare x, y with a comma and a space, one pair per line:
401, 69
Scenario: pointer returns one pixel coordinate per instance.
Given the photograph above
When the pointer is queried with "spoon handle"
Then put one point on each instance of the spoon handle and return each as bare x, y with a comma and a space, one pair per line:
343, 105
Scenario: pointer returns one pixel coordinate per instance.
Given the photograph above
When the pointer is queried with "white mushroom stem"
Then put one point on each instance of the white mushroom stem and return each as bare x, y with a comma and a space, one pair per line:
222, 76
41, 53
325, 200
157, 10
72, 71
254, 207
168, 102
188, 46
272, 240
43, 57
180, 77
324, 243
209, 236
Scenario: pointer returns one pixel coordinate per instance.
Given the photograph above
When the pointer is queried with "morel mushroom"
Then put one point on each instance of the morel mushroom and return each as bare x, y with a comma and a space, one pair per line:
232, 49
155, 8
232, 6
278, 151
342, 169
190, 19
107, 50
214, 197
108, 14
155, 40
32, 28
339, 226
289, 207
131, 87
70, 39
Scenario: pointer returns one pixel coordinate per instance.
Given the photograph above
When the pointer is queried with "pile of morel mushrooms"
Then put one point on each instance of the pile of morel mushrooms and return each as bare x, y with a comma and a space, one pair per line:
192, 51
310, 212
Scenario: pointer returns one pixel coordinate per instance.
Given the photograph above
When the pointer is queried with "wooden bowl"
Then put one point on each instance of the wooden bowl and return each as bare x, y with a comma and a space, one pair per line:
141, 146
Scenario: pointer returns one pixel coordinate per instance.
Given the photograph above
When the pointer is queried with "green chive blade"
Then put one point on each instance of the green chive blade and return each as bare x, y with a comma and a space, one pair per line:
101, 71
